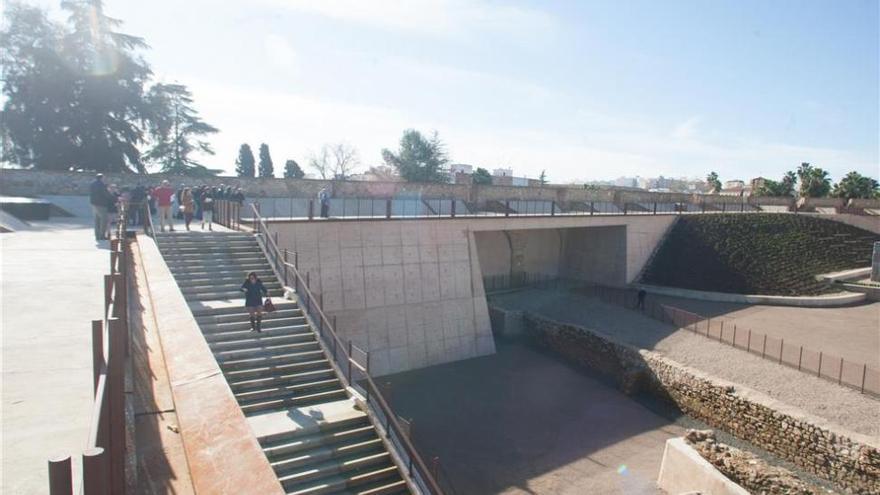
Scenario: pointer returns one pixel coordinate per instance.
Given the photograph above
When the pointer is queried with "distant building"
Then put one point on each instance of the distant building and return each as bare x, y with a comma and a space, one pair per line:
733, 188
503, 172
459, 173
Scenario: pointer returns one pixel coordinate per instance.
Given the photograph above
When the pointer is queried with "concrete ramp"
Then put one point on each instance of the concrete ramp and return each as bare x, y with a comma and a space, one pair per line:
76, 206
11, 223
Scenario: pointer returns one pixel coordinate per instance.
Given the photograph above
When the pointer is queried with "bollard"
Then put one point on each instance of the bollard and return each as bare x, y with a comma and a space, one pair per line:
781, 347
96, 478
116, 396
60, 476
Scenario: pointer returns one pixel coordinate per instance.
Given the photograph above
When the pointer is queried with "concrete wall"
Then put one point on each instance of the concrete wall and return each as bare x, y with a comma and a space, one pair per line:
849, 460
596, 255
411, 291
870, 223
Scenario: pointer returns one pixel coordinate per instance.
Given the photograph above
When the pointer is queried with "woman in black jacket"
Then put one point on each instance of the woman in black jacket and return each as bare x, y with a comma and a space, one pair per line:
253, 299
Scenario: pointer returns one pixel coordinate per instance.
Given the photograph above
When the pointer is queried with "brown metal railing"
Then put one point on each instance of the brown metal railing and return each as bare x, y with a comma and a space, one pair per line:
104, 456
352, 373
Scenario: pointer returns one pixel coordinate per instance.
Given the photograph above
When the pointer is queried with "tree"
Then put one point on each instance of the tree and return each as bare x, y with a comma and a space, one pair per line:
418, 159
74, 93
244, 164
814, 181
175, 127
266, 167
713, 181
543, 177
335, 161
856, 186
782, 188
482, 176
292, 170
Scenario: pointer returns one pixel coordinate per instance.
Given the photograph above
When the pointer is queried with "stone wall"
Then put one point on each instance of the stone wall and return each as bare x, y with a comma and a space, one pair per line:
849, 460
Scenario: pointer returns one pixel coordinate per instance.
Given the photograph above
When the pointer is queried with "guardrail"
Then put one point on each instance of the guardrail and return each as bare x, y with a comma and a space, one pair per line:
104, 456
354, 373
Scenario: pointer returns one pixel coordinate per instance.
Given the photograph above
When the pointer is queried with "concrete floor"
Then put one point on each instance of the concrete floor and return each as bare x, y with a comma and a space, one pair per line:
851, 332
52, 289
521, 421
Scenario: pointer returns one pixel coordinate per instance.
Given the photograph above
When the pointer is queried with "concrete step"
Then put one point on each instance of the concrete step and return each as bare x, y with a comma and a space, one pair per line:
228, 295
215, 332
285, 401
281, 380
239, 311
361, 447
257, 351
252, 339
292, 391
234, 286
294, 442
239, 375
221, 273
192, 247
208, 323
260, 362
230, 279
348, 482
359, 464
213, 264
392, 485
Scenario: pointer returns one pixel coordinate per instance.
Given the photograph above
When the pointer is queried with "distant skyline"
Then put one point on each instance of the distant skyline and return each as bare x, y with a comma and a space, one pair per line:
586, 90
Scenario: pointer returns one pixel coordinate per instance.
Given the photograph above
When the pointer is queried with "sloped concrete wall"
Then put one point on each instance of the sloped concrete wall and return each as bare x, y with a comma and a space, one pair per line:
596, 255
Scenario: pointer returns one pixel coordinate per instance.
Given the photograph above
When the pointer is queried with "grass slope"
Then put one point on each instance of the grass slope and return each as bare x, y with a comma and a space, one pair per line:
772, 254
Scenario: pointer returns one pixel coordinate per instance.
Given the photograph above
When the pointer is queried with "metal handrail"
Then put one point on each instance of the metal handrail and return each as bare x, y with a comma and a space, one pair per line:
301, 286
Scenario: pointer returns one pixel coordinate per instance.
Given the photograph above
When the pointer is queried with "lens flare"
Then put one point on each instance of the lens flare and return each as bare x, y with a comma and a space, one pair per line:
622, 469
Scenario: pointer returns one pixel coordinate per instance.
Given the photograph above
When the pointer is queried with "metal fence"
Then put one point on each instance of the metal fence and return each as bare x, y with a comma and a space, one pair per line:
855, 375
104, 456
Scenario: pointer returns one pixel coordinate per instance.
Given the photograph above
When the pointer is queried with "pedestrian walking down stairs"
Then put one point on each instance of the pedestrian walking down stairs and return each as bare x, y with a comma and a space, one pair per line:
277, 370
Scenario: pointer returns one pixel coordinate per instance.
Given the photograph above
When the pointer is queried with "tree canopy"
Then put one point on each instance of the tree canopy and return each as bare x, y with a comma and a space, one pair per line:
245, 165
292, 170
714, 182
856, 186
267, 169
784, 187
418, 159
174, 129
814, 181
75, 92
335, 161
482, 176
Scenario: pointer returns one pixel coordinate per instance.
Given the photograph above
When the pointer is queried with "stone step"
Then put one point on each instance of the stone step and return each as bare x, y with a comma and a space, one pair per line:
362, 447
210, 247
225, 296
215, 332
292, 391
260, 362
257, 351
222, 273
257, 371
392, 485
228, 287
237, 311
213, 264
357, 464
348, 482
294, 442
208, 323
282, 380
236, 278
286, 401
252, 339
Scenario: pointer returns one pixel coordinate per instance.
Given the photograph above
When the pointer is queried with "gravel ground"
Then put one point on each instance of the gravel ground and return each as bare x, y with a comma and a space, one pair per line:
836, 404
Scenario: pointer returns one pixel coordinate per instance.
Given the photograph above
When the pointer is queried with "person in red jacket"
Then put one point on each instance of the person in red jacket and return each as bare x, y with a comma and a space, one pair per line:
163, 195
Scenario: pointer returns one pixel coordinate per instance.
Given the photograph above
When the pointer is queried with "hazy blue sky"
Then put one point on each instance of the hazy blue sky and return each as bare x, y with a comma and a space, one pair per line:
587, 90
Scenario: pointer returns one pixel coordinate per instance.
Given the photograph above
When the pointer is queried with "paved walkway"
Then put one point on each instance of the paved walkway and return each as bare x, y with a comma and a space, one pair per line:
837, 404
52, 288
521, 421
852, 333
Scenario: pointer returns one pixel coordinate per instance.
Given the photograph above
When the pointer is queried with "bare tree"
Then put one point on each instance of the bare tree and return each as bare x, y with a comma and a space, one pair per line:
335, 161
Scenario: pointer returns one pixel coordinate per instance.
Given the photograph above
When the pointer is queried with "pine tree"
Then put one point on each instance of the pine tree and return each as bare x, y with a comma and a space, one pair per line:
175, 127
244, 164
266, 168
292, 170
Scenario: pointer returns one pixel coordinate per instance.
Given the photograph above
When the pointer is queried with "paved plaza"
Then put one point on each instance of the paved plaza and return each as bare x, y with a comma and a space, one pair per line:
52, 288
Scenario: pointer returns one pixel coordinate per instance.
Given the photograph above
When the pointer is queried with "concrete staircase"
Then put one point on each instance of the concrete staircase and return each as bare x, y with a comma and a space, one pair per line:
282, 371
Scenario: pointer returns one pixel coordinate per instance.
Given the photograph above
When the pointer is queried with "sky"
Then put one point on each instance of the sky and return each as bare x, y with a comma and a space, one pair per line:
586, 90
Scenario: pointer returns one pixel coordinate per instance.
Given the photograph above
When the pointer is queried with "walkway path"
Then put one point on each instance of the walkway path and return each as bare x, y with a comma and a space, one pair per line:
847, 408
52, 288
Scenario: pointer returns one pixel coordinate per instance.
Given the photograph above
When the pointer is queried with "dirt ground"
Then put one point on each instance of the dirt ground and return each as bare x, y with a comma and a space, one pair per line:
521, 421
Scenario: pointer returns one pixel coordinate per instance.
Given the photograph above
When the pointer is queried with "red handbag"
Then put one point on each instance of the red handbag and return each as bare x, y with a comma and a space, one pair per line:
268, 306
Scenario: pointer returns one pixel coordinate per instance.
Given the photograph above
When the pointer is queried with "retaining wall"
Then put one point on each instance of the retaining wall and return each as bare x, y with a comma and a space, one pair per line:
849, 460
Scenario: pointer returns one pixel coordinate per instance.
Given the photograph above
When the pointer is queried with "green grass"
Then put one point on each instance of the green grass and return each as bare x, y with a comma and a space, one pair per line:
772, 254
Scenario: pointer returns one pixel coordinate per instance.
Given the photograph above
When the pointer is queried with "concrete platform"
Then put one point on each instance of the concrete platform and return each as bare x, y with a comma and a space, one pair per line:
304, 420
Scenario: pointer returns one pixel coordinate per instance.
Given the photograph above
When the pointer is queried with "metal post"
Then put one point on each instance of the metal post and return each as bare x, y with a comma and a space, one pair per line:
749, 342
840, 372
864, 372
285, 268
553, 208
819, 373
311, 209
764, 347
349, 361
60, 476
734, 336
388, 208
97, 351
507, 208
116, 396
296, 259
655, 207
624, 207
781, 347
452, 209
96, 479
721, 335
800, 357
592, 211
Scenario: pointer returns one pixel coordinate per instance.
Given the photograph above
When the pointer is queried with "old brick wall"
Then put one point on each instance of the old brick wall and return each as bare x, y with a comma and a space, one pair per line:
853, 465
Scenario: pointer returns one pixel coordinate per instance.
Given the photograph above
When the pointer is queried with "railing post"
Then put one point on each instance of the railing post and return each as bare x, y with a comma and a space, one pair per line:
819, 372
764, 347
60, 476
285, 268
840, 372
116, 396
96, 478
592, 211
97, 351
553, 208
311, 209
296, 259
655, 207
507, 208
388, 208
108, 292
452, 209
864, 372
624, 207
349, 361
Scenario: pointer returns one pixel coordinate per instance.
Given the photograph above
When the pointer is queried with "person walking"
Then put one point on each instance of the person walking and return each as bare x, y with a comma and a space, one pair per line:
324, 200
254, 290
187, 205
163, 195
99, 196
641, 299
207, 209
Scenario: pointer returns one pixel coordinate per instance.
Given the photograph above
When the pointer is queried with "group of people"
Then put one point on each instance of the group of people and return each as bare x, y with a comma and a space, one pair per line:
186, 203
